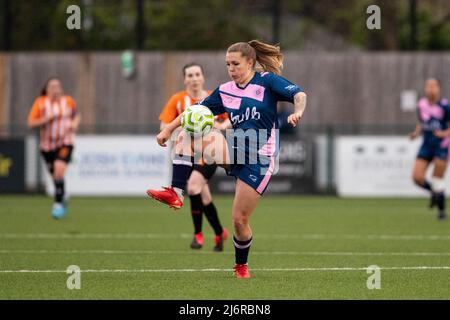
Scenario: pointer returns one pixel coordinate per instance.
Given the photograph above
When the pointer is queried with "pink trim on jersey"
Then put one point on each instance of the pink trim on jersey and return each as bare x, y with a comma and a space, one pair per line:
427, 110
263, 74
267, 176
269, 148
230, 102
252, 91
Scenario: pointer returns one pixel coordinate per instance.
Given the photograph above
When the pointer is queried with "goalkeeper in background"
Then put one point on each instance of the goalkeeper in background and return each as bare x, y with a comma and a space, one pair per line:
197, 186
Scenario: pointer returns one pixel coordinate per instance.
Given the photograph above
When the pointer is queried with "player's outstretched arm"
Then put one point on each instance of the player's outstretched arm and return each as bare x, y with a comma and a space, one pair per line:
300, 106
167, 130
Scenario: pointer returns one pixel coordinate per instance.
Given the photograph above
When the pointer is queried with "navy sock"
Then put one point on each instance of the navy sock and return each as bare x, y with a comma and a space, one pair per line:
213, 219
440, 200
59, 190
426, 185
196, 212
182, 168
241, 249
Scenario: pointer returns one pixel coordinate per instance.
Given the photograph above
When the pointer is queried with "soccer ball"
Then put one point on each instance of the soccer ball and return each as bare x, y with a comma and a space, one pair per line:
197, 120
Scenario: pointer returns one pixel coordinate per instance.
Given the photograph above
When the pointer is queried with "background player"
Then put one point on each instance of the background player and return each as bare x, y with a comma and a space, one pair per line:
55, 114
250, 100
197, 186
433, 113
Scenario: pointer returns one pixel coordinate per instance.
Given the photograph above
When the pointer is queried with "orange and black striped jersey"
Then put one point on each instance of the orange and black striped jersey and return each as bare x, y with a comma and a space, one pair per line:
58, 132
176, 105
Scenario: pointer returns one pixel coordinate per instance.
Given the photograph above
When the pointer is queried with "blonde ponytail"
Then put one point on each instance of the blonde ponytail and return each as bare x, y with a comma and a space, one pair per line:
268, 56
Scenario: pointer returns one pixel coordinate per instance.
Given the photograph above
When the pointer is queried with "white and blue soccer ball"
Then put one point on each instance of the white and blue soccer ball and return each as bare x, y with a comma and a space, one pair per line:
197, 120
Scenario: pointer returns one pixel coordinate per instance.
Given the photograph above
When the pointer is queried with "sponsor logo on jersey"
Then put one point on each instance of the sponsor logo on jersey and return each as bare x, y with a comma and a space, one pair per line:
248, 114
291, 87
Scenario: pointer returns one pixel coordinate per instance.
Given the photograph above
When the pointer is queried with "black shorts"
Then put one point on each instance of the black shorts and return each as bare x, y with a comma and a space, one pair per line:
63, 153
207, 170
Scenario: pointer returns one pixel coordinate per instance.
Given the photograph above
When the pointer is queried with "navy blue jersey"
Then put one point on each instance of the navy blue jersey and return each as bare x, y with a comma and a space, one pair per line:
433, 117
254, 107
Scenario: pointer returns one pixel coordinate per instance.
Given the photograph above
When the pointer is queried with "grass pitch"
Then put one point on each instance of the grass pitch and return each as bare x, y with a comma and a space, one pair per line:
304, 248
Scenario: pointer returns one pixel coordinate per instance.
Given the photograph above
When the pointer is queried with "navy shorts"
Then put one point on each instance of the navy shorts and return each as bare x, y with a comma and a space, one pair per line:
250, 165
429, 152
256, 176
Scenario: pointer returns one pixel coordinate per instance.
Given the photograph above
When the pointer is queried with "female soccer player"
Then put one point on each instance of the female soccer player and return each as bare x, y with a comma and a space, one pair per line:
197, 185
433, 113
55, 114
250, 100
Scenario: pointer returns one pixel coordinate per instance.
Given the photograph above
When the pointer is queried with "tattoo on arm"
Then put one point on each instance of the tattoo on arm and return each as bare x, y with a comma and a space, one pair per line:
300, 102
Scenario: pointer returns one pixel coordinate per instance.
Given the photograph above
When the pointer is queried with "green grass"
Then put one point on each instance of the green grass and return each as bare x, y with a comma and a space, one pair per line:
289, 233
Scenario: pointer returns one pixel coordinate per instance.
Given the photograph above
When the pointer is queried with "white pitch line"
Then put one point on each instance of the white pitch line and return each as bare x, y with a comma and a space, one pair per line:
36, 236
227, 270
155, 252
93, 236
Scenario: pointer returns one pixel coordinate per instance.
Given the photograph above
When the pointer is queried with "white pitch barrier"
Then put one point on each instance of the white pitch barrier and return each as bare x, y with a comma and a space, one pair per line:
377, 166
115, 165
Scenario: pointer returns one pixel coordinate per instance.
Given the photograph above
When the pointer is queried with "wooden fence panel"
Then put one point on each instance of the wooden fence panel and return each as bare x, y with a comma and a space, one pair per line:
342, 87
